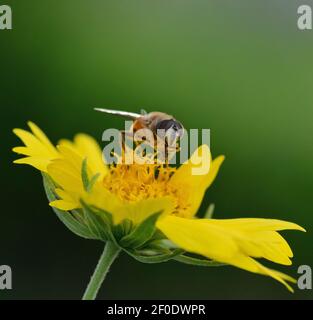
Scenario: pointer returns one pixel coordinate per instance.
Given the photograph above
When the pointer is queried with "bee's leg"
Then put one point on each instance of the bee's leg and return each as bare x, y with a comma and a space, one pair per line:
127, 143
171, 152
126, 136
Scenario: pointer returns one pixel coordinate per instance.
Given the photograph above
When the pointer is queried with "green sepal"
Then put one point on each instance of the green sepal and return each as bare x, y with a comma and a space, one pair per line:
141, 233
197, 262
122, 229
157, 258
99, 222
92, 181
69, 219
160, 245
87, 183
209, 212
84, 174
78, 214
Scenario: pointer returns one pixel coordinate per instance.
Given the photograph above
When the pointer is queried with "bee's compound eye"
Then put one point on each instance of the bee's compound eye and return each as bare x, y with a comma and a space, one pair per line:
169, 124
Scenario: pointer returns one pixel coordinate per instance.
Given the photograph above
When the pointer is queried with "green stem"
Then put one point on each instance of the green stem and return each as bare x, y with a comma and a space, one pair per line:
109, 254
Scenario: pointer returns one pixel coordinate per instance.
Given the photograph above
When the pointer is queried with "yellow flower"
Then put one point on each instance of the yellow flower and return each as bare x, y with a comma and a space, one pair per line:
133, 193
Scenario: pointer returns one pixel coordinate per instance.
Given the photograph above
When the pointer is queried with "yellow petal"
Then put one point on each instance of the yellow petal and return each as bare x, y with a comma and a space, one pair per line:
22, 150
249, 264
71, 156
269, 245
197, 237
38, 148
65, 176
66, 172
259, 224
121, 210
91, 150
42, 137
63, 205
229, 242
196, 184
67, 196
27, 138
38, 163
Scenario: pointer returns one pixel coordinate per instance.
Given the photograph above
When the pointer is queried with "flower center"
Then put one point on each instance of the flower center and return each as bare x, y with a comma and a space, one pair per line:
137, 182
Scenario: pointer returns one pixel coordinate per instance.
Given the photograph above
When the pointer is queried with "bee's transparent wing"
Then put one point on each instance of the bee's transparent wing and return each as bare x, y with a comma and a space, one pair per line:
125, 114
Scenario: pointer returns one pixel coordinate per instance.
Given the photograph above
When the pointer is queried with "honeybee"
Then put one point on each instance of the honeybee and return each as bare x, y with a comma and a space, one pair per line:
164, 127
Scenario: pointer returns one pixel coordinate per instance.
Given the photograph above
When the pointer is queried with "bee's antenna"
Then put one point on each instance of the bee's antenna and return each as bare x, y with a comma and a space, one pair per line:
125, 114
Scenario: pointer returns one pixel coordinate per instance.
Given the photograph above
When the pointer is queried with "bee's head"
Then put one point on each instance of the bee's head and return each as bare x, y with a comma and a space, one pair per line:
171, 127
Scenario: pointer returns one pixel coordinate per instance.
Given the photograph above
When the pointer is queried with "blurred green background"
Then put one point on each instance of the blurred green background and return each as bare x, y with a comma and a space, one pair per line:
240, 68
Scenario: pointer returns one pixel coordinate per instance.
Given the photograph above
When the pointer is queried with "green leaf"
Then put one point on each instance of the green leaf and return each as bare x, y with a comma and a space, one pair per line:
66, 217
141, 233
155, 258
198, 262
